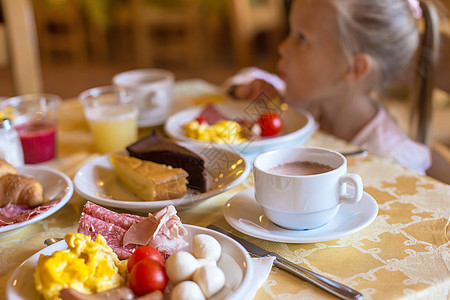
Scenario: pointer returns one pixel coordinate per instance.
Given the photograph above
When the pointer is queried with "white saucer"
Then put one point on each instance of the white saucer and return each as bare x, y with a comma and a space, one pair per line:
243, 213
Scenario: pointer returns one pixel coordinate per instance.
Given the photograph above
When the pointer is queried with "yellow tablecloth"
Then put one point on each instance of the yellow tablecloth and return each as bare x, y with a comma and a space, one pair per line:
403, 254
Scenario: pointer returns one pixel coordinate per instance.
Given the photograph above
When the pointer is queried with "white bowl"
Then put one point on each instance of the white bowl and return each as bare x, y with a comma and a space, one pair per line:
235, 262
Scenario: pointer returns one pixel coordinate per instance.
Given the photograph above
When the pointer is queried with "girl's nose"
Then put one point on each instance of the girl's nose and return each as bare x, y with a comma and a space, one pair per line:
282, 46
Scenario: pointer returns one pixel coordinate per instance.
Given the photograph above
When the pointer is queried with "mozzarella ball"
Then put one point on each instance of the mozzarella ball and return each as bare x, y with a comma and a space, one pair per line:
180, 266
205, 246
211, 279
187, 290
206, 262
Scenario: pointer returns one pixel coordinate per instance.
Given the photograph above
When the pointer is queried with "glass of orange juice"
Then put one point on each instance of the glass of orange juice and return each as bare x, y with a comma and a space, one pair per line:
112, 117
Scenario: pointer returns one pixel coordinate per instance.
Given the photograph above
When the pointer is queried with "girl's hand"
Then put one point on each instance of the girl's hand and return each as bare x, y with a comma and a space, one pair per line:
253, 90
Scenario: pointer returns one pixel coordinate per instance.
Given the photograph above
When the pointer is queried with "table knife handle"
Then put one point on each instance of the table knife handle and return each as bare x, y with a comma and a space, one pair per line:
331, 286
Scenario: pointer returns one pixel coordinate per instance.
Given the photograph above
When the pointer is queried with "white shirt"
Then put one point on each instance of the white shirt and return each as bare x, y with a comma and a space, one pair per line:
383, 136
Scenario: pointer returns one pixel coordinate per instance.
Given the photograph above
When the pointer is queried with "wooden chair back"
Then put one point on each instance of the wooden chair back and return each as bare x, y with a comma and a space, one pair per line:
22, 45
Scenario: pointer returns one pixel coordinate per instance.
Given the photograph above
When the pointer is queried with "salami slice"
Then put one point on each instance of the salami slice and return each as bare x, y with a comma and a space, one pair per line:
122, 220
13, 213
111, 225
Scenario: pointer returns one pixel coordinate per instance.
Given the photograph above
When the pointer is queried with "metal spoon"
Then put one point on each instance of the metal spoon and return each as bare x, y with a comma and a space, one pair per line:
362, 152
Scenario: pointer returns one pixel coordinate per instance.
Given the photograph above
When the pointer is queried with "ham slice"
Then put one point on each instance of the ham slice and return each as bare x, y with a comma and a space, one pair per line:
125, 232
163, 230
13, 213
212, 115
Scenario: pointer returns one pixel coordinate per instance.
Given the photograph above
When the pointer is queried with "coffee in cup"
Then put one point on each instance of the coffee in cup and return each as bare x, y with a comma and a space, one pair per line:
298, 168
303, 187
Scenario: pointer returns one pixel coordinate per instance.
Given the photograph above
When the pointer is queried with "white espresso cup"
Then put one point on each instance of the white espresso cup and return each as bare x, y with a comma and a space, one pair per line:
302, 188
153, 92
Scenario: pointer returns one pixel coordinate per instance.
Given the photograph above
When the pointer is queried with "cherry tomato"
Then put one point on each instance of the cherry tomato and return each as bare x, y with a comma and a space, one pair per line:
148, 275
270, 123
202, 120
144, 252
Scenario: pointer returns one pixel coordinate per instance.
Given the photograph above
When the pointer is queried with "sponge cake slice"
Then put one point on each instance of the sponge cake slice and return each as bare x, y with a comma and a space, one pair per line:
148, 180
159, 150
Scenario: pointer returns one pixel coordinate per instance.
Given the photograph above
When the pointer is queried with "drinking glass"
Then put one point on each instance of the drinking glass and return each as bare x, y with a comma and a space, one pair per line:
35, 117
111, 116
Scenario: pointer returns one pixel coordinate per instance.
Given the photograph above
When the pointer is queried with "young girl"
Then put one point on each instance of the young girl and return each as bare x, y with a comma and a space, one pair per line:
338, 55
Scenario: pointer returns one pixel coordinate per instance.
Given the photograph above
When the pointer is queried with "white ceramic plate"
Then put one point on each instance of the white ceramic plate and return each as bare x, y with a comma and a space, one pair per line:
55, 185
97, 181
234, 261
243, 213
297, 125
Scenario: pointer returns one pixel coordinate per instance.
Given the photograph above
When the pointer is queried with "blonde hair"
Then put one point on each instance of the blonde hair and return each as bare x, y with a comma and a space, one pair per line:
388, 31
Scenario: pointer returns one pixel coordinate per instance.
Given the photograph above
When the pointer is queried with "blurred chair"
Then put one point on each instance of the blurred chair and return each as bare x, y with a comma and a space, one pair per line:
121, 45
440, 150
251, 18
440, 167
3, 49
443, 66
167, 32
22, 46
99, 21
61, 30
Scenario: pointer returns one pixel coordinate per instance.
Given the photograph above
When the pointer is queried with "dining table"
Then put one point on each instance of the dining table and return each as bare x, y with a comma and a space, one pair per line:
404, 253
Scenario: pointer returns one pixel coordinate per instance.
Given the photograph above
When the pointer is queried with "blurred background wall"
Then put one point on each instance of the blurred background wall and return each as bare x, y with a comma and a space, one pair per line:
83, 43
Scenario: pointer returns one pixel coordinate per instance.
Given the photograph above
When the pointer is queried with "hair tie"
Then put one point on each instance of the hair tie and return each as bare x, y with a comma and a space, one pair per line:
414, 6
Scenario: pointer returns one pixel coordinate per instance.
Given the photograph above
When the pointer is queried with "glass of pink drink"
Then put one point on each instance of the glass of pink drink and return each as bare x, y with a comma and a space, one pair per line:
35, 118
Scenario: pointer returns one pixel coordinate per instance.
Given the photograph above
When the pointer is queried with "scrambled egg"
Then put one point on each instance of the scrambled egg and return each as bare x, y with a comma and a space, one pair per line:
222, 132
87, 266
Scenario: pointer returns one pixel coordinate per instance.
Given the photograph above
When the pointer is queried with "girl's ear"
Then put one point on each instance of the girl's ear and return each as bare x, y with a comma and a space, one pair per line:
360, 66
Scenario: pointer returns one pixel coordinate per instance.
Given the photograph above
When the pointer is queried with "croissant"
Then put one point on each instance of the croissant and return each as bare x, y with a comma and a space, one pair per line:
6, 168
21, 190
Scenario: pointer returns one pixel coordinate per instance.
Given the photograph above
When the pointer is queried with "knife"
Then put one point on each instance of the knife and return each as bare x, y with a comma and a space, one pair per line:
331, 286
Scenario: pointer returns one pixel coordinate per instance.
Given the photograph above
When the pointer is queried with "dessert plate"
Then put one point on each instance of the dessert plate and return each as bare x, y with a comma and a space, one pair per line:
55, 185
298, 126
97, 181
235, 262
243, 213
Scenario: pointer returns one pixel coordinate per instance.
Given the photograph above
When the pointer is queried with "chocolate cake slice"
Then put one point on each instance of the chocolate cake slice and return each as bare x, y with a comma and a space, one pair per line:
157, 149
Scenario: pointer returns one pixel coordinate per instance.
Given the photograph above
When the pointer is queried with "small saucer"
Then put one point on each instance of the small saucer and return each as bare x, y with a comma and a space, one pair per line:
243, 213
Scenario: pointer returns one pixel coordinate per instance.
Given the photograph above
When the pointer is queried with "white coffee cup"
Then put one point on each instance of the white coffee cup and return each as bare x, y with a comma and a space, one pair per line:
153, 90
304, 201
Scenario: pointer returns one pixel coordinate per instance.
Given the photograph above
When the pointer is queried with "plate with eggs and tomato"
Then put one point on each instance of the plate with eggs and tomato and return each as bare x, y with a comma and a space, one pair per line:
246, 127
234, 261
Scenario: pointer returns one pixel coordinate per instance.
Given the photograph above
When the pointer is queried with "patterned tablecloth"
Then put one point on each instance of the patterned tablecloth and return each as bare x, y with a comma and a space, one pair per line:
403, 254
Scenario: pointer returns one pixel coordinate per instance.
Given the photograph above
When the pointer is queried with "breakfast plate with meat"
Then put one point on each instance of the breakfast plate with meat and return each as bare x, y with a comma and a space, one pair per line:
194, 254
30, 194
244, 127
110, 180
